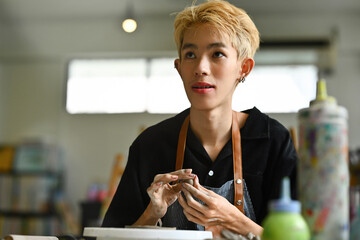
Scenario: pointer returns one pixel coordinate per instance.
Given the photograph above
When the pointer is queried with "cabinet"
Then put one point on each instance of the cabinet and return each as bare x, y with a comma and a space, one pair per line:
27, 203
29, 190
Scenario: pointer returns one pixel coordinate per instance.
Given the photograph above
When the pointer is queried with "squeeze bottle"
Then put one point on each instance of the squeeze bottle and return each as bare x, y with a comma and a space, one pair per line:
323, 175
284, 221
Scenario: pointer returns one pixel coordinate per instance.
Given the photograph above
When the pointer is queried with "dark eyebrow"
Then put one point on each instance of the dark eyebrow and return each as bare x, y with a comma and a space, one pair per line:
212, 45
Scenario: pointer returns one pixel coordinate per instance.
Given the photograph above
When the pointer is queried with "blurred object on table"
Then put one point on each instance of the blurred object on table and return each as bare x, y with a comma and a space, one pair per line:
354, 165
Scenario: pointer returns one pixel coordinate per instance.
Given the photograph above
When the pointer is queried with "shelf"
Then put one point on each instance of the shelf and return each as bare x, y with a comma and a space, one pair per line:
29, 187
26, 214
32, 173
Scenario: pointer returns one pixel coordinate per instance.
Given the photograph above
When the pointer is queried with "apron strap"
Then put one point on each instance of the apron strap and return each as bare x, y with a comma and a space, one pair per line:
237, 164
237, 161
181, 144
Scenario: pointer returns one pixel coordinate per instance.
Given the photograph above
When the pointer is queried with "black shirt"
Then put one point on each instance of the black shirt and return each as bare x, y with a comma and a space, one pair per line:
268, 155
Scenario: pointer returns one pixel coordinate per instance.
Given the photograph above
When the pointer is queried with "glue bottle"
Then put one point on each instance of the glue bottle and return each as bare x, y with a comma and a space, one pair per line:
284, 221
323, 174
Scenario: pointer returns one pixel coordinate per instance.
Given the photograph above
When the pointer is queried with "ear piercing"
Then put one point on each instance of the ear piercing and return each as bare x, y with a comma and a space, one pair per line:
241, 79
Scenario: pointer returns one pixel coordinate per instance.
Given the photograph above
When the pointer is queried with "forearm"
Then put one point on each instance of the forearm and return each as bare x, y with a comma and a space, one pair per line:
147, 218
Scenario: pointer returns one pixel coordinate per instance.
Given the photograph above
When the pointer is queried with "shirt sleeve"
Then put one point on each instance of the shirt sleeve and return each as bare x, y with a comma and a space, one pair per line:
286, 167
282, 163
128, 202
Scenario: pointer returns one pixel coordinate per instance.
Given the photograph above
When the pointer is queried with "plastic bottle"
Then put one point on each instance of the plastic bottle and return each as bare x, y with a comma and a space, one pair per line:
284, 221
323, 167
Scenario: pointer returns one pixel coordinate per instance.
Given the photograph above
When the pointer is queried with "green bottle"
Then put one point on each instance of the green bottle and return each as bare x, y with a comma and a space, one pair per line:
284, 221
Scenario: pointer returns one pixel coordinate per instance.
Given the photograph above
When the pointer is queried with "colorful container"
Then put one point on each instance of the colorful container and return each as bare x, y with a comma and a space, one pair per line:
323, 167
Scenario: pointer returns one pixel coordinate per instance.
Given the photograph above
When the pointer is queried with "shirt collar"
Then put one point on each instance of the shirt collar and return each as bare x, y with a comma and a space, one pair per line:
256, 125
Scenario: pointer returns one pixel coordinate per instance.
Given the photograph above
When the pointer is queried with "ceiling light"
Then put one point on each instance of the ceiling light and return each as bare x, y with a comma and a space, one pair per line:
129, 25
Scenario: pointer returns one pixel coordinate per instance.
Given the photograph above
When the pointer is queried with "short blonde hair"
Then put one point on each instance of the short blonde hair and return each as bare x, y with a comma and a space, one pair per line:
227, 18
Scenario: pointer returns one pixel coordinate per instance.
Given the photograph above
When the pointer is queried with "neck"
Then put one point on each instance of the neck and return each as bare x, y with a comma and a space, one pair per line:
213, 128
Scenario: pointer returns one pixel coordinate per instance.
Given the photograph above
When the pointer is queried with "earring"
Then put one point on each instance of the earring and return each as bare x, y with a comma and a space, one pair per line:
242, 78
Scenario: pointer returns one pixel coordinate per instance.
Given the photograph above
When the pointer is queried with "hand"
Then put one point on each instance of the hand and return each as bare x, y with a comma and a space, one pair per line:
216, 214
162, 194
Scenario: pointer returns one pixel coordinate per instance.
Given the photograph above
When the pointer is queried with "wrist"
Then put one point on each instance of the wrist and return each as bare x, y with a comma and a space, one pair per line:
243, 225
148, 217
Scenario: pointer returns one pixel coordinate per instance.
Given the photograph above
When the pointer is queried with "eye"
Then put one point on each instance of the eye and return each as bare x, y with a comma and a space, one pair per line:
189, 55
218, 54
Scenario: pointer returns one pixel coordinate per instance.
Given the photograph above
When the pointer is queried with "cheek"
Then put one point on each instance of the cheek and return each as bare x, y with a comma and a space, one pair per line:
185, 73
226, 73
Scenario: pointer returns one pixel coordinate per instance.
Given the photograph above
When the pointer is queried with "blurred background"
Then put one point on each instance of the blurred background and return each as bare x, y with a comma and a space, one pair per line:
69, 156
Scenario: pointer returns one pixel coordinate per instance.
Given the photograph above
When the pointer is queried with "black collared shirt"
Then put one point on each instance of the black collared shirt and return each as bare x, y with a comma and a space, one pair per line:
268, 155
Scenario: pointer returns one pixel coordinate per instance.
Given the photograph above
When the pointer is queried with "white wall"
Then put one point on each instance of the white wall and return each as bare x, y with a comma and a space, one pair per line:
33, 58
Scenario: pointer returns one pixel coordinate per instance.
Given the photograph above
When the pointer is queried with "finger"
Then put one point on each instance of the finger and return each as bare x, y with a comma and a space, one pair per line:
184, 174
200, 193
190, 201
187, 208
184, 170
154, 188
200, 217
173, 176
193, 217
196, 216
166, 178
197, 185
182, 201
196, 182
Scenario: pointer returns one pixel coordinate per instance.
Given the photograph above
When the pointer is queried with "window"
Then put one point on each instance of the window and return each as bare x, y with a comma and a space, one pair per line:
107, 86
166, 92
154, 86
277, 89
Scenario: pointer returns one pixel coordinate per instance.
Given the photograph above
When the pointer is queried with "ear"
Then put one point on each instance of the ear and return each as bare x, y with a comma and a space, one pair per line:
177, 65
247, 66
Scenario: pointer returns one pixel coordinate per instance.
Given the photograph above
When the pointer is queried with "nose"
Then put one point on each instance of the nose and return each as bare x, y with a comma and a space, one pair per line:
202, 66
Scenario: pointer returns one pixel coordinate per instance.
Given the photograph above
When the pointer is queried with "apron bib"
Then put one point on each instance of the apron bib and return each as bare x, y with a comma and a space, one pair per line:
234, 190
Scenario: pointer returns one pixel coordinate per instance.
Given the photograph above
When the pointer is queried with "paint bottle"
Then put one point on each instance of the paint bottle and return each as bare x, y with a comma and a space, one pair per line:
284, 221
323, 167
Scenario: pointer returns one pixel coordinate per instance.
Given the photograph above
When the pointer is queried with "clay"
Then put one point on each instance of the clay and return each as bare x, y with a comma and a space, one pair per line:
189, 181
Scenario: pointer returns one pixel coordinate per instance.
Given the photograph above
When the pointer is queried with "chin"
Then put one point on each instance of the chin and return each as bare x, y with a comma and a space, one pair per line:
202, 107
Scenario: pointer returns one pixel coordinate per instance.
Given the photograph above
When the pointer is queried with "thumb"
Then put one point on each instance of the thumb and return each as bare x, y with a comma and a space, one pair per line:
196, 182
198, 185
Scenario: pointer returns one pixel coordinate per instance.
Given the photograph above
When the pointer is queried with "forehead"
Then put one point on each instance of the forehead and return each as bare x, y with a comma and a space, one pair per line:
205, 33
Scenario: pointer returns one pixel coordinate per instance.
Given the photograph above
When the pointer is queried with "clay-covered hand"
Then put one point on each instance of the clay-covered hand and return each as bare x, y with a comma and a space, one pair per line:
162, 194
215, 212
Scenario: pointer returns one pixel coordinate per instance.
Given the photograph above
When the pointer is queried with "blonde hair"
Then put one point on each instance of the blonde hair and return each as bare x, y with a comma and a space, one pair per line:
227, 18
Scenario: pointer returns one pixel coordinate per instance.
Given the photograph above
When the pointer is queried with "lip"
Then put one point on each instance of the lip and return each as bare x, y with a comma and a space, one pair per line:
202, 87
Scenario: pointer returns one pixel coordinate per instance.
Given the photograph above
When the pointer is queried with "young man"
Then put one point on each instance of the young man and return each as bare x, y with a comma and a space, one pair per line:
236, 160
